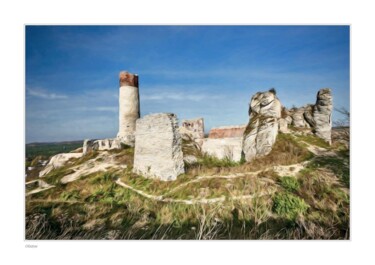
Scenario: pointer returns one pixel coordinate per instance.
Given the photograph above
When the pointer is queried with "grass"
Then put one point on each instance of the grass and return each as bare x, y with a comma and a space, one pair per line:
290, 184
313, 140
289, 206
314, 204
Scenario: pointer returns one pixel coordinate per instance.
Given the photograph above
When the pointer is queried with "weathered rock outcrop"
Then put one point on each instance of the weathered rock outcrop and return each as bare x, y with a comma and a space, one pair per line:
194, 128
129, 108
317, 117
224, 148
89, 146
101, 145
262, 130
283, 126
322, 113
298, 119
158, 151
227, 131
57, 161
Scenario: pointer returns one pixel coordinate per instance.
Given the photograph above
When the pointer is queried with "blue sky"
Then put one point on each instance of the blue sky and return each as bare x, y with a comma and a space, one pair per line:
193, 71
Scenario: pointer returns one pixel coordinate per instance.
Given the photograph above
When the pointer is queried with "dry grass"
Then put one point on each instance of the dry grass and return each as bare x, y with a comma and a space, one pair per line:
92, 207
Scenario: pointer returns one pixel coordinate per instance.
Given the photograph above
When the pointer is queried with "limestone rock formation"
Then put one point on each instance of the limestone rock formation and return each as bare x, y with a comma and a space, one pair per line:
317, 117
101, 145
227, 131
322, 113
57, 161
129, 108
283, 126
224, 148
158, 152
89, 146
194, 128
262, 130
298, 119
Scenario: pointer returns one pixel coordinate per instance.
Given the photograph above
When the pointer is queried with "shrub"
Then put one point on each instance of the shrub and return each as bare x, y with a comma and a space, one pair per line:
289, 206
289, 183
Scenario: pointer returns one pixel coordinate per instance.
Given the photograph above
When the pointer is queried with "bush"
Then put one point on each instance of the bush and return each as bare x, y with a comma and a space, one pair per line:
289, 206
289, 183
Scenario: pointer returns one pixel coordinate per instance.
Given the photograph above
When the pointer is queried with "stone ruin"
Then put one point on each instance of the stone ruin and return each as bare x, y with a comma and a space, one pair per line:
129, 112
158, 152
104, 144
267, 118
193, 128
158, 139
129, 109
227, 131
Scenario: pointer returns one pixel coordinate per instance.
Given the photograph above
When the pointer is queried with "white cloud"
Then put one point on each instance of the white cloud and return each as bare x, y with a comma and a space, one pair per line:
178, 93
42, 93
173, 96
109, 109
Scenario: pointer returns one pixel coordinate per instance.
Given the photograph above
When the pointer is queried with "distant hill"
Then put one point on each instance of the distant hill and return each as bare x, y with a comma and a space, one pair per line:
51, 148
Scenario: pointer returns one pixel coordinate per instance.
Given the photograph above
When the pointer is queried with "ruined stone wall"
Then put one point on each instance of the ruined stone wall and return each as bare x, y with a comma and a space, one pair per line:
227, 131
158, 152
224, 148
101, 145
193, 127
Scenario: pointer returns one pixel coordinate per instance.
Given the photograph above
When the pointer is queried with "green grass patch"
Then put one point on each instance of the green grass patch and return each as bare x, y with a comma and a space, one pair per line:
211, 161
338, 164
313, 140
70, 195
289, 206
289, 183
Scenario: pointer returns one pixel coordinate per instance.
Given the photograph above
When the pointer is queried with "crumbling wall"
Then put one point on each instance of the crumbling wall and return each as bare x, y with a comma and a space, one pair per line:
224, 148
158, 152
227, 131
194, 128
101, 145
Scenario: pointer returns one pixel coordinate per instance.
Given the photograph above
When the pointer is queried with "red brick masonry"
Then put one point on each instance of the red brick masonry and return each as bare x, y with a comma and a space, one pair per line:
227, 131
128, 79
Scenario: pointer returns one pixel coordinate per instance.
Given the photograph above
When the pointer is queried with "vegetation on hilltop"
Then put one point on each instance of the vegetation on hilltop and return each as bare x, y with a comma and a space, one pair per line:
213, 200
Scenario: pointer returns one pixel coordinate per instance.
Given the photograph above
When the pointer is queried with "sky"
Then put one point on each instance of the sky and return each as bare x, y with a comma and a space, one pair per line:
193, 71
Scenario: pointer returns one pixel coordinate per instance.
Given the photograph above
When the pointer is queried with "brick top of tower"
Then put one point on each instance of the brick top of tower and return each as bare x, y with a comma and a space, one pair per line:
128, 79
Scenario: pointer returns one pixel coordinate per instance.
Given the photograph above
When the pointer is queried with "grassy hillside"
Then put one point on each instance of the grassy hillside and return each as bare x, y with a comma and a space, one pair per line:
299, 191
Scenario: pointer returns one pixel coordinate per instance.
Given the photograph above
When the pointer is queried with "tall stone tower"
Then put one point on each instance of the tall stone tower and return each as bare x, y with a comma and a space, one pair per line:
129, 110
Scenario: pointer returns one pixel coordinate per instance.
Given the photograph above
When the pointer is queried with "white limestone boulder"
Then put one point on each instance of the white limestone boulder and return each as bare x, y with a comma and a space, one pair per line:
58, 161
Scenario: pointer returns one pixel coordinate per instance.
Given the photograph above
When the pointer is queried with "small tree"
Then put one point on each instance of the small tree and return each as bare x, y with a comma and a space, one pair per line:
343, 123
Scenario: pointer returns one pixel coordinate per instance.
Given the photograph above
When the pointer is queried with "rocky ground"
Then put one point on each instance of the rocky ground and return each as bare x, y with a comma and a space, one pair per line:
298, 191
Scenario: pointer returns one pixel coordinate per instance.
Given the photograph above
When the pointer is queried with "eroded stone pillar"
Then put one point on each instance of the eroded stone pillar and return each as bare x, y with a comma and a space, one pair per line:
322, 113
129, 107
262, 130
